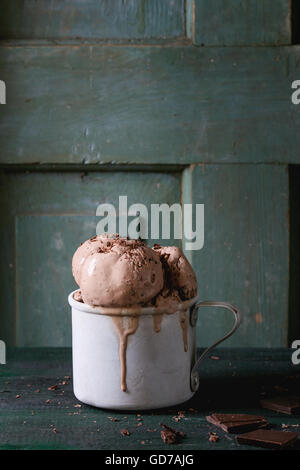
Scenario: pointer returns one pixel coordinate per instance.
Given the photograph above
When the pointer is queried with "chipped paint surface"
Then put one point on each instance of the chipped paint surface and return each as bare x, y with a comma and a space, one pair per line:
149, 105
239, 23
258, 318
93, 19
135, 90
237, 262
44, 217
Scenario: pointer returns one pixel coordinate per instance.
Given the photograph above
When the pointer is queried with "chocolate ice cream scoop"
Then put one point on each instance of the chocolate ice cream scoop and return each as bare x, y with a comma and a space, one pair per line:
117, 272
167, 301
179, 274
121, 275
90, 246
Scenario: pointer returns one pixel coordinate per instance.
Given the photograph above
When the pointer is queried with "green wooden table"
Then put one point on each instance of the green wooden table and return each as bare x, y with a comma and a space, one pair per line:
34, 416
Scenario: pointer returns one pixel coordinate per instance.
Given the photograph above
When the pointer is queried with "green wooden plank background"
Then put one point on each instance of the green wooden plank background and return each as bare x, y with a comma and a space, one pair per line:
244, 259
44, 217
149, 104
246, 250
74, 98
91, 19
241, 22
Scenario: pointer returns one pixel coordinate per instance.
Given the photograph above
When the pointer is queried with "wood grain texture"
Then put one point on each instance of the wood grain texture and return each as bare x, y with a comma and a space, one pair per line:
245, 258
44, 217
241, 22
149, 104
91, 19
232, 384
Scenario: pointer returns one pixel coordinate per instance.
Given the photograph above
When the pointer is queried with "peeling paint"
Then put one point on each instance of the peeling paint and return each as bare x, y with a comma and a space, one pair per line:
258, 318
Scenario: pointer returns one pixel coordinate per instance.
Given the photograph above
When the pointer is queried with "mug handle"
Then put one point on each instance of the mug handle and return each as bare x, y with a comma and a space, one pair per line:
193, 320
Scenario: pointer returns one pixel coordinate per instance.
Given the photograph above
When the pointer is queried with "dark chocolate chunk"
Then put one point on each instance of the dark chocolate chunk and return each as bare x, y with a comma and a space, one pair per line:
289, 405
268, 438
170, 435
213, 437
237, 423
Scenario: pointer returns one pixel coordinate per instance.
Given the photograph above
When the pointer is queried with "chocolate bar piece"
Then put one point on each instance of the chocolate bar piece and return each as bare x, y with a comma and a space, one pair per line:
237, 423
268, 438
289, 405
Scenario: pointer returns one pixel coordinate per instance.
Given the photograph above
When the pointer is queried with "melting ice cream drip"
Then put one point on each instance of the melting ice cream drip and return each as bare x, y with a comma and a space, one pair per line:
128, 324
157, 321
184, 325
125, 325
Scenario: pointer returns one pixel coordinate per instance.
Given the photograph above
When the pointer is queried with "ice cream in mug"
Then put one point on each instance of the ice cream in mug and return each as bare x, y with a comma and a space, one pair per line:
117, 274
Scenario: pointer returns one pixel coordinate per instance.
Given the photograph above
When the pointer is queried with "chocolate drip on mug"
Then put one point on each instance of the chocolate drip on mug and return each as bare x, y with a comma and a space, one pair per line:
157, 319
184, 325
125, 325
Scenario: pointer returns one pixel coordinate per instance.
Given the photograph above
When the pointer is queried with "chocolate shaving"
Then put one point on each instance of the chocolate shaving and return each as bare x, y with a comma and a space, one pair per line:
53, 387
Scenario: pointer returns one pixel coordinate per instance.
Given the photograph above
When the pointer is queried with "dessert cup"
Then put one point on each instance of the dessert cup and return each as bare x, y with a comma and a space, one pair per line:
153, 366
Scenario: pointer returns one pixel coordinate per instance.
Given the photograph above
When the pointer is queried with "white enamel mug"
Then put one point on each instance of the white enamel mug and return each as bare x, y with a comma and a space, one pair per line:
160, 371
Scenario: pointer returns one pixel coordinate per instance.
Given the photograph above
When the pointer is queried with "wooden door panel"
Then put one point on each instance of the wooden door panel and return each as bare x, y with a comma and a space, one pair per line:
245, 258
91, 19
153, 105
44, 218
239, 22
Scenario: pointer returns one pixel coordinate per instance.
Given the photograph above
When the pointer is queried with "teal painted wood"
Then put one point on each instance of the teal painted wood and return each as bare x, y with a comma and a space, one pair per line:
232, 384
44, 217
245, 258
190, 18
241, 22
92, 19
149, 104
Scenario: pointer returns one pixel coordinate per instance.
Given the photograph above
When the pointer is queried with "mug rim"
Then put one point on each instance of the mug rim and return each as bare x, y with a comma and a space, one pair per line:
134, 310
